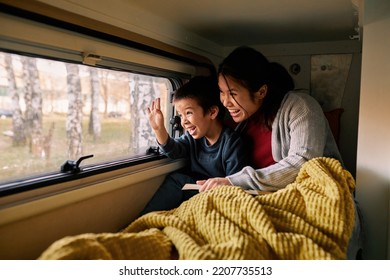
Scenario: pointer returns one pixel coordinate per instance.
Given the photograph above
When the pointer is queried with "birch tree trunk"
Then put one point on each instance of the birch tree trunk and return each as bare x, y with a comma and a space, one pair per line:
19, 136
74, 131
134, 121
104, 93
33, 100
147, 93
142, 95
94, 128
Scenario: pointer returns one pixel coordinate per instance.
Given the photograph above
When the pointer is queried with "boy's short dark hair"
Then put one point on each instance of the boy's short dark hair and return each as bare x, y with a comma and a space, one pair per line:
204, 90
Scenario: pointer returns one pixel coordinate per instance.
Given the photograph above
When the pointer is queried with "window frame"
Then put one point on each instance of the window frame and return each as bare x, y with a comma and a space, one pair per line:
188, 64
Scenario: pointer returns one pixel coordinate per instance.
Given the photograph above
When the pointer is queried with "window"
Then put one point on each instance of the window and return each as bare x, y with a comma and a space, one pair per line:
57, 106
54, 111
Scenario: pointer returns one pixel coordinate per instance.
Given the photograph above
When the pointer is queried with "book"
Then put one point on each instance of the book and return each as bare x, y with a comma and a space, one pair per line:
197, 187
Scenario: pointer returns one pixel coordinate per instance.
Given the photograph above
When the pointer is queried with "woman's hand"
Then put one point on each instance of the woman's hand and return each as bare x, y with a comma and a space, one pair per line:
212, 183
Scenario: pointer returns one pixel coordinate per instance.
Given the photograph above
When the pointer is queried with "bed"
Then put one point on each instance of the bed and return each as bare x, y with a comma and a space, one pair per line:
311, 218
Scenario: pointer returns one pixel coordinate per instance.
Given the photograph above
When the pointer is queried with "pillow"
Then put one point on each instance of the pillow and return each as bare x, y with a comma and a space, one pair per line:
333, 118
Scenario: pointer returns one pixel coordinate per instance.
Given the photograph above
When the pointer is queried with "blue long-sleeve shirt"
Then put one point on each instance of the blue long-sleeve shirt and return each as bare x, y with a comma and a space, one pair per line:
226, 156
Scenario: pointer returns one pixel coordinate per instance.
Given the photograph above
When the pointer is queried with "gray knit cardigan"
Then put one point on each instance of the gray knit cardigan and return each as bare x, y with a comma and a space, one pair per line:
300, 132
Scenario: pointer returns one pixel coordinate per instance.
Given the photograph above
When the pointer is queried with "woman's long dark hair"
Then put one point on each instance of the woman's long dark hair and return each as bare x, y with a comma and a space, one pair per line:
252, 70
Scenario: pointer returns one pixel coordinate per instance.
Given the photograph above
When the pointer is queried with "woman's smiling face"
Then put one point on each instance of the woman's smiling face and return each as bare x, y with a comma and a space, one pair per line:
193, 118
237, 99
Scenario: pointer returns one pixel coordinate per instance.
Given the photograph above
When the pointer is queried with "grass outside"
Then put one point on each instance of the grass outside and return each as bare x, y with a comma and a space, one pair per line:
18, 162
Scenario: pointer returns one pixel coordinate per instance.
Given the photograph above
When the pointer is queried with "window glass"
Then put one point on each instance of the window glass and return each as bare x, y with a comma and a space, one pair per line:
53, 111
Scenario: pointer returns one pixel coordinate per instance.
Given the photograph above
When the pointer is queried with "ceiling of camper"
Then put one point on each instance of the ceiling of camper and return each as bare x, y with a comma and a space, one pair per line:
248, 22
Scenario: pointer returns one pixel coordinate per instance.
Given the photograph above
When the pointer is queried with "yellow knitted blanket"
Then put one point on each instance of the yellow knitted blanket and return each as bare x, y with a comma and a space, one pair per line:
311, 218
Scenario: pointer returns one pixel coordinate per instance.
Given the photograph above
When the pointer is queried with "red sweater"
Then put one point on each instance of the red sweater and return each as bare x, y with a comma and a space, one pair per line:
260, 136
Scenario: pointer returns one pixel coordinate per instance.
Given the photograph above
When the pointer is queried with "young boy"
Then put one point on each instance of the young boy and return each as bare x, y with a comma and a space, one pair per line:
211, 149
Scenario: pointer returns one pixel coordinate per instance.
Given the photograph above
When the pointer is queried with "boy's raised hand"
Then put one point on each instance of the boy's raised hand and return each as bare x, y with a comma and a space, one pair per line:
156, 121
156, 117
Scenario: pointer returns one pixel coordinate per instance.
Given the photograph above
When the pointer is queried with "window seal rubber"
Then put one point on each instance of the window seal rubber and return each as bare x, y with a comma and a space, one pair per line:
49, 179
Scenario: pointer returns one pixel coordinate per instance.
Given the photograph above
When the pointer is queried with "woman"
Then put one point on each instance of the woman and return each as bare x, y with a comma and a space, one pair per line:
286, 128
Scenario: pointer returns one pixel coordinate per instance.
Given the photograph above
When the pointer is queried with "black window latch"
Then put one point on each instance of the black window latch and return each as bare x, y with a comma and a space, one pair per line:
153, 150
176, 123
72, 166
